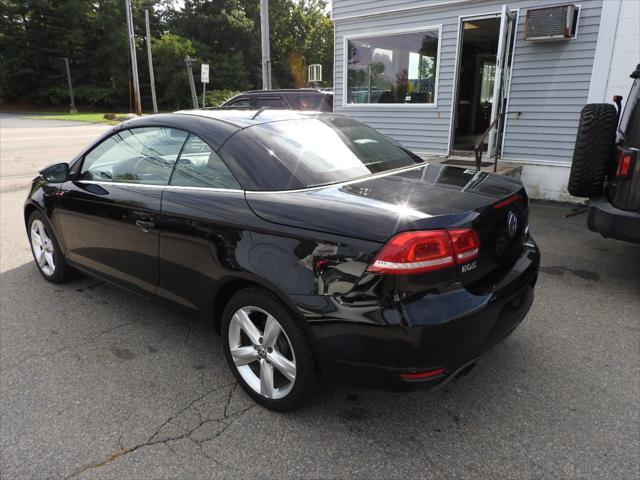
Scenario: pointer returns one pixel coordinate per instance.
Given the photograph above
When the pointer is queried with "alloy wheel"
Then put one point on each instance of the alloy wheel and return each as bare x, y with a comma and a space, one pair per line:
43, 249
262, 352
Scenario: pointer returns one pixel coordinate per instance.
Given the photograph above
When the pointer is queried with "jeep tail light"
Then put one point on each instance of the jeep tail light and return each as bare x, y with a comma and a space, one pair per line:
424, 251
625, 162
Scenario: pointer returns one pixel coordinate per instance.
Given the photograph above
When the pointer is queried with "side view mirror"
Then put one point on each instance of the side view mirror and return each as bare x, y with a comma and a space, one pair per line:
56, 173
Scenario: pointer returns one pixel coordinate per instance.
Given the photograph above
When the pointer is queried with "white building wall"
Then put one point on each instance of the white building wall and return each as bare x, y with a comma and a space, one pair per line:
626, 50
619, 50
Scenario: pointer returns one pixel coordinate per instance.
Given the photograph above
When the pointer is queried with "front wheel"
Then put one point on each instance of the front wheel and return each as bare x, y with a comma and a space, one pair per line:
46, 250
268, 350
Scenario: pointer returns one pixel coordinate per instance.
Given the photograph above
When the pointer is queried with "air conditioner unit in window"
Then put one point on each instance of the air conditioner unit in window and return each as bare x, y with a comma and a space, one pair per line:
551, 23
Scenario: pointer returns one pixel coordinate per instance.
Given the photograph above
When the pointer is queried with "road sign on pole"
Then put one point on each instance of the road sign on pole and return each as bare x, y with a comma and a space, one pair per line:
204, 73
204, 78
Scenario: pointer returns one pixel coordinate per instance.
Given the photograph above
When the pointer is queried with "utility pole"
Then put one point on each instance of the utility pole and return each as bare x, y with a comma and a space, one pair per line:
134, 58
72, 105
266, 52
194, 97
151, 76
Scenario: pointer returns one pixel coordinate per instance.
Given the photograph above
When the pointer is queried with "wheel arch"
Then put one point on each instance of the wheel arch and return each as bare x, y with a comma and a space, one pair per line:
233, 285
29, 208
230, 286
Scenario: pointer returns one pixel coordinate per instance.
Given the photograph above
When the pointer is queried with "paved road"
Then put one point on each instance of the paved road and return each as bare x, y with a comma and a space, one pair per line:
27, 145
96, 383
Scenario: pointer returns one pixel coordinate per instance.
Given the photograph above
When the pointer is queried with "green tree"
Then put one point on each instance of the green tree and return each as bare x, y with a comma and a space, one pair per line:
301, 35
172, 82
36, 34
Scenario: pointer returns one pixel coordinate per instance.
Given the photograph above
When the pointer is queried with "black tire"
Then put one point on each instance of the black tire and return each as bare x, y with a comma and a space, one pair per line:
62, 271
306, 375
594, 151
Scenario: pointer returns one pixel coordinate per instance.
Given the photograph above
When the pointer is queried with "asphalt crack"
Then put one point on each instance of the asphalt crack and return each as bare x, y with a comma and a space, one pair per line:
226, 420
67, 347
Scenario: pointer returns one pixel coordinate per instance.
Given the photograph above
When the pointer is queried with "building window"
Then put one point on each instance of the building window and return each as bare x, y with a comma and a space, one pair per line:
394, 68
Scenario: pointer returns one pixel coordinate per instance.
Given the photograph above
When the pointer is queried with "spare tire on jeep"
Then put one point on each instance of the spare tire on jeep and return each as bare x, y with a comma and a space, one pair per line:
594, 150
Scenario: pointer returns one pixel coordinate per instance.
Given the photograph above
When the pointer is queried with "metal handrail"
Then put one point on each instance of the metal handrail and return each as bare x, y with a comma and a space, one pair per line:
477, 148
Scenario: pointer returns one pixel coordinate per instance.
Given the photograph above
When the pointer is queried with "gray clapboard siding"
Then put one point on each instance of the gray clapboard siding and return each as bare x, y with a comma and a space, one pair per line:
550, 80
353, 8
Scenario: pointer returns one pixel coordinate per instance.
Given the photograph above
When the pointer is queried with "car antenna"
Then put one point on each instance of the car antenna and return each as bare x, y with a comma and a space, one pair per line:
260, 110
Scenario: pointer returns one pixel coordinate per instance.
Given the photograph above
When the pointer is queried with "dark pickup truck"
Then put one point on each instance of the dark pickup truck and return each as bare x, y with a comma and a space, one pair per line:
606, 166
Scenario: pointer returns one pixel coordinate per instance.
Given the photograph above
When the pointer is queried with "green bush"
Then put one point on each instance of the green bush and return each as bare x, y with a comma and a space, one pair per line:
87, 95
91, 95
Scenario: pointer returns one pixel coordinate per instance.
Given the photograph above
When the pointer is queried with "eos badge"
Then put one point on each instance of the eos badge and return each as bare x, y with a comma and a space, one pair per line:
512, 224
469, 266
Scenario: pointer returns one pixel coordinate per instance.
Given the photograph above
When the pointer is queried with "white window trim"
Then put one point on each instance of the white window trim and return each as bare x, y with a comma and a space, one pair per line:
604, 51
382, 33
513, 60
456, 69
454, 96
420, 6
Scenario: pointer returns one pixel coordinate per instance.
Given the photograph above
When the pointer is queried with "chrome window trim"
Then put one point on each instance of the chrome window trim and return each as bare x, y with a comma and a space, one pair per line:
340, 184
235, 190
146, 185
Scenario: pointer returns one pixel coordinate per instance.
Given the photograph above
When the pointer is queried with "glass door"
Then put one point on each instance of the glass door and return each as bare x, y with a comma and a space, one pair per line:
502, 77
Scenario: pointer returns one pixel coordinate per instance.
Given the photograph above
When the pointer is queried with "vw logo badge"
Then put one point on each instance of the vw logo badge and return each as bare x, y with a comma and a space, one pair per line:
512, 224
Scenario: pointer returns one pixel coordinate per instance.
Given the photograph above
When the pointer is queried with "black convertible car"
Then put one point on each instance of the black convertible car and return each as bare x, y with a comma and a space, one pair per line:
319, 248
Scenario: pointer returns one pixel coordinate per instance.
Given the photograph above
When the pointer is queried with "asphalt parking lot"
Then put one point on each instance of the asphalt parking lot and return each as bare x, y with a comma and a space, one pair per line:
97, 383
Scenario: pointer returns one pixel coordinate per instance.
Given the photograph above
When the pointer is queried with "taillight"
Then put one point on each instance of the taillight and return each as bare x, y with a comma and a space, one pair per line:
413, 252
423, 375
625, 162
466, 244
423, 251
507, 201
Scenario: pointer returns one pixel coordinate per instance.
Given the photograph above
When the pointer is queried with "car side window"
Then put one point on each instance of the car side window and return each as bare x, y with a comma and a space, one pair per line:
139, 156
200, 166
273, 102
241, 102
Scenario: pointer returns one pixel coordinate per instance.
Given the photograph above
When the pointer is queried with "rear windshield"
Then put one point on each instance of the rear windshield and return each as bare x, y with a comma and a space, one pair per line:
319, 151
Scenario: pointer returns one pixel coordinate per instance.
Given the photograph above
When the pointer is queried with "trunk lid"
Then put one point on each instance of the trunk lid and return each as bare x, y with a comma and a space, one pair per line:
431, 196
375, 208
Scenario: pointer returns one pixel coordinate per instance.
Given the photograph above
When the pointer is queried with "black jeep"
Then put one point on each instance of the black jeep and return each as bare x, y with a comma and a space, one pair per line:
606, 165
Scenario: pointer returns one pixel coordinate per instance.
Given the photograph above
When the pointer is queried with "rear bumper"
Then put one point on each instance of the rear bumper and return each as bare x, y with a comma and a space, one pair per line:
446, 330
612, 222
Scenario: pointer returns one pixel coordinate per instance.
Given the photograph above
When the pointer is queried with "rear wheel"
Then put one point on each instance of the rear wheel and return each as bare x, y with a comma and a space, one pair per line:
594, 151
46, 251
268, 350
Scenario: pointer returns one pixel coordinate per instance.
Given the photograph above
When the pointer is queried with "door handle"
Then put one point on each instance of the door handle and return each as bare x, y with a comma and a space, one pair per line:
144, 225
